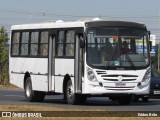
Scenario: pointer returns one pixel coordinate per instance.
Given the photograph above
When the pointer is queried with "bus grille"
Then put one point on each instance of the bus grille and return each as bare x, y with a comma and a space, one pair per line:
114, 77
119, 88
101, 72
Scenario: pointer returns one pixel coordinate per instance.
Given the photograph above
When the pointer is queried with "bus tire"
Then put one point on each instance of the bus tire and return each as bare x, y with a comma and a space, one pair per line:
83, 99
145, 99
71, 97
135, 98
28, 91
40, 96
125, 100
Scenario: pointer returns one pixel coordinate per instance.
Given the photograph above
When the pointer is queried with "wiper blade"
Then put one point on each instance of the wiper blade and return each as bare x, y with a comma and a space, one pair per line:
130, 61
107, 65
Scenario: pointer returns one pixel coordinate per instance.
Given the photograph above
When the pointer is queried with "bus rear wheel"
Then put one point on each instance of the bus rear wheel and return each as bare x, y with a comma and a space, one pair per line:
30, 94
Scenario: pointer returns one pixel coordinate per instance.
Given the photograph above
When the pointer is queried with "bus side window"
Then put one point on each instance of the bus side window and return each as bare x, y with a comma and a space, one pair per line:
60, 42
15, 43
34, 43
24, 43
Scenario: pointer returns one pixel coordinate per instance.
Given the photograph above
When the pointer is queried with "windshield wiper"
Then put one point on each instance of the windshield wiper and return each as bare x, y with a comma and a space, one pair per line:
107, 65
130, 61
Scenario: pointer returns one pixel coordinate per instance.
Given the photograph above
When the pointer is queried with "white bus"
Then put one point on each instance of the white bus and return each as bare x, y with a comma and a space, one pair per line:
80, 59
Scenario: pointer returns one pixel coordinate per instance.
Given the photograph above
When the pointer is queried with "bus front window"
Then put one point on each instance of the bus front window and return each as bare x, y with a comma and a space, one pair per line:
117, 47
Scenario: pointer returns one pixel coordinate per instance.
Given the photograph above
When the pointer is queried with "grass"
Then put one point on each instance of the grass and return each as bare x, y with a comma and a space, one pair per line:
32, 108
28, 108
9, 87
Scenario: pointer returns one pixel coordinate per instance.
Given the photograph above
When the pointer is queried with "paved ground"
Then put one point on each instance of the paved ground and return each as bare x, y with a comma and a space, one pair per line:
16, 97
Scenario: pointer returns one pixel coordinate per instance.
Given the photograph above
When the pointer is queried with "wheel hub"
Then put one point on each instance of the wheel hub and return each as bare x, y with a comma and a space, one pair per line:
28, 90
70, 91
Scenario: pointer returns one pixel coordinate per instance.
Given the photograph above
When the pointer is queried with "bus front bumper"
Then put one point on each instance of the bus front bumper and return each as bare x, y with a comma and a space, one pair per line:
107, 88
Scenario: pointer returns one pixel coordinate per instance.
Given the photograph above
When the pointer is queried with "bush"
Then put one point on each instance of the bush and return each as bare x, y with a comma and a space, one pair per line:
4, 57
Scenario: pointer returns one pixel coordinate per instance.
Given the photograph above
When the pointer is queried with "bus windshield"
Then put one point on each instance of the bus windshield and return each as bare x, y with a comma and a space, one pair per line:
117, 47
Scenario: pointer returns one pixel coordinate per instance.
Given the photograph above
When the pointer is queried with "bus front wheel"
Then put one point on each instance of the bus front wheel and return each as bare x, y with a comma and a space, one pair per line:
125, 100
71, 97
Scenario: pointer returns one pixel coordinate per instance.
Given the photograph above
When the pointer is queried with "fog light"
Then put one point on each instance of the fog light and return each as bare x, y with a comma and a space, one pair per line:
101, 84
139, 84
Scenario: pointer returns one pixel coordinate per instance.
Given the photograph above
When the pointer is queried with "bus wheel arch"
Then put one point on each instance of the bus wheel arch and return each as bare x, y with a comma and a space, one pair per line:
30, 94
28, 91
69, 95
27, 75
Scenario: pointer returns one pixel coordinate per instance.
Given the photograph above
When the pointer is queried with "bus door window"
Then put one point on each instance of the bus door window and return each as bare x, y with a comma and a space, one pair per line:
44, 44
70, 38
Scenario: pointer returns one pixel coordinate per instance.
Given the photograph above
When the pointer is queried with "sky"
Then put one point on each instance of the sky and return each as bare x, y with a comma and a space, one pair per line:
33, 11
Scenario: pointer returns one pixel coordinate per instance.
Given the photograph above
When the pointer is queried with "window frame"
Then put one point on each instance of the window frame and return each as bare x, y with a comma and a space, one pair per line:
75, 29
34, 43
12, 43
64, 43
39, 44
24, 43
29, 43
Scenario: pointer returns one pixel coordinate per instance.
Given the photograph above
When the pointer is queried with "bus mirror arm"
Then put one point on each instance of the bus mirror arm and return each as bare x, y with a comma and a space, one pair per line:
150, 45
150, 42
149, 33
82, 42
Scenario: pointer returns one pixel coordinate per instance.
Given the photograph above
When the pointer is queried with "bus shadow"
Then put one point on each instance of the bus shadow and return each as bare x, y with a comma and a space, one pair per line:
103, 102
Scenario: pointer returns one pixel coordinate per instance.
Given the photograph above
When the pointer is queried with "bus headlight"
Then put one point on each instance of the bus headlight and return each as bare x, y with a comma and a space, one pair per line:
91, 76
147, 75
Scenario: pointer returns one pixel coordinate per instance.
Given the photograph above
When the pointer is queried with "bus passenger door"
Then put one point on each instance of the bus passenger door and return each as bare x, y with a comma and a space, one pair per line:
79, 67
51, 63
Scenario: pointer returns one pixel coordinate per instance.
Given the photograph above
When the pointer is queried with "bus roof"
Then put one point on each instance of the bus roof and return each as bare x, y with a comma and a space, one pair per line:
87, 23
47, 25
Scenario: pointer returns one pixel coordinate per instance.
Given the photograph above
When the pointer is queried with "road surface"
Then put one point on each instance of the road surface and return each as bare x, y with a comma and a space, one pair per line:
16, 97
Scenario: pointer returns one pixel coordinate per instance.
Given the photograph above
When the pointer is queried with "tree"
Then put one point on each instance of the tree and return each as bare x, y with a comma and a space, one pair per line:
4, 59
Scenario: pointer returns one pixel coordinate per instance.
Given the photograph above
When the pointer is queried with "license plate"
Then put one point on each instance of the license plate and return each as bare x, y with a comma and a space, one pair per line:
156, 92
120, 84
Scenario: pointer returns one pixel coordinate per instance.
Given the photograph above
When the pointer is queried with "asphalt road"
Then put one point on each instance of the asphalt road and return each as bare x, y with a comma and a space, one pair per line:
13, 97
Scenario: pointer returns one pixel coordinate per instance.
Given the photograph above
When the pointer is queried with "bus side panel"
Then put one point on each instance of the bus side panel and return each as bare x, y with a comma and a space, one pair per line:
17, 79
62, 68
35, 66
39, 82
59, 84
